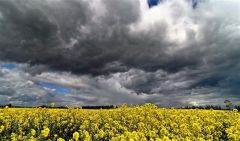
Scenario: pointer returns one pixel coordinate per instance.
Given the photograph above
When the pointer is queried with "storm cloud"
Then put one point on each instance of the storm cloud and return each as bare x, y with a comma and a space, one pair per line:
113, 52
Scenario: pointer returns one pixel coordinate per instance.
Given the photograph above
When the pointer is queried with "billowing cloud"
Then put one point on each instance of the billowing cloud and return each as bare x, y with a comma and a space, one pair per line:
111, 52
19, 87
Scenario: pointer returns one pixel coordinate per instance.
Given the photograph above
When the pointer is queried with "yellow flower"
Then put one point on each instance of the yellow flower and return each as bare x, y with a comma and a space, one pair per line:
2, 128
101, 134
14, 137
32, 139
87, 136
60, 139
33, 132
76, 136
165, 138
45, 132
131, 139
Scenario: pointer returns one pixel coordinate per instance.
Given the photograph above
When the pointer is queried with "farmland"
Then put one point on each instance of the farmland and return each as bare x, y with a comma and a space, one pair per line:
138, 123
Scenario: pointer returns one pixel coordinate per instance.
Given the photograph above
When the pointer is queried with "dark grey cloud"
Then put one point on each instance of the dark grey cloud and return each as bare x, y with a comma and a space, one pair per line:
121, 51
38, 32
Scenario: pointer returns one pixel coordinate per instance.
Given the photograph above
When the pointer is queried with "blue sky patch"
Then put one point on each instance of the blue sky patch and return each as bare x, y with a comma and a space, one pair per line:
194, 3
9, 66
59, 89
152, 3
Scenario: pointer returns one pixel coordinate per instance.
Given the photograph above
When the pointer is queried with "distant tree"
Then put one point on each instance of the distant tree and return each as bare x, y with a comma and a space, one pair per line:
229, 104
237, 106
9, 105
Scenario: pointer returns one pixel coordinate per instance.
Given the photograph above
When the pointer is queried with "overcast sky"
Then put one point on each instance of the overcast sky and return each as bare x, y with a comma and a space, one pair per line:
101, 52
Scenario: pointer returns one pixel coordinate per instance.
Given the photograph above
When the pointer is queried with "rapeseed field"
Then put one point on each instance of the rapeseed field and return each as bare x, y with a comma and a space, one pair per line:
138, 123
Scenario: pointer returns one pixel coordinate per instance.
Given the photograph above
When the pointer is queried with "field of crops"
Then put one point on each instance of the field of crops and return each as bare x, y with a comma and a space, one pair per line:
140, 123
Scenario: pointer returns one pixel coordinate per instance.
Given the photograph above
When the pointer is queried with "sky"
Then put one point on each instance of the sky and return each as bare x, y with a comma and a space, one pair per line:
104, 52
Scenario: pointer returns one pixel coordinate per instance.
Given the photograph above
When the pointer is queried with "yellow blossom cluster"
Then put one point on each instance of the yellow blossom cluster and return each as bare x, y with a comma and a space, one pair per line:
138, 123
